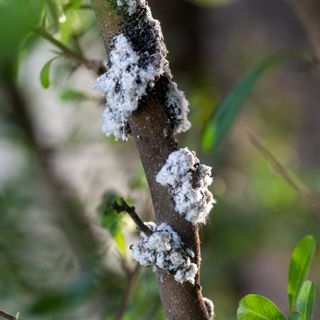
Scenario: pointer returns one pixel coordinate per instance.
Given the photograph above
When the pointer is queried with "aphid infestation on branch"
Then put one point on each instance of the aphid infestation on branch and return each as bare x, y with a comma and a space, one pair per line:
137, 59
138, 73
188, 181
165, 250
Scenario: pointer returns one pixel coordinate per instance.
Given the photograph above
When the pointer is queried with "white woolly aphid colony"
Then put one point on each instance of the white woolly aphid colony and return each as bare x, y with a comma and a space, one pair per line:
135, 63
209, 306
124, 84
165, 250
131, 5
188, 181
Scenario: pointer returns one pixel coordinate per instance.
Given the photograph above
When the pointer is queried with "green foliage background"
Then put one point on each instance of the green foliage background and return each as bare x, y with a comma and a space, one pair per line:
259, 218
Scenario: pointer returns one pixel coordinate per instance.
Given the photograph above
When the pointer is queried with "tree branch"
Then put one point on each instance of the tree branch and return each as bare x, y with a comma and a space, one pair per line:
97, 66
124, 207
131, 283
306, 194
308, 12
8, 316
149, 126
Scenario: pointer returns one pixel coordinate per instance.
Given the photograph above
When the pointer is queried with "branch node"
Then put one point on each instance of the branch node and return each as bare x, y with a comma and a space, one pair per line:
123, 206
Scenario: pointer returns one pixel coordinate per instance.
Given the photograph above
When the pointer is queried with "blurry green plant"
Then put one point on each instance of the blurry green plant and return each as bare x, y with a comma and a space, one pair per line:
59, 22
224, 115
112, 220
45, 73
138, 181
63, 24
72, 95
301, 292
65, 298
25, 15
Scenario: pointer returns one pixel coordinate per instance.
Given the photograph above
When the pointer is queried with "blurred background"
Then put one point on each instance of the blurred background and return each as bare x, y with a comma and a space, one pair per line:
63, 254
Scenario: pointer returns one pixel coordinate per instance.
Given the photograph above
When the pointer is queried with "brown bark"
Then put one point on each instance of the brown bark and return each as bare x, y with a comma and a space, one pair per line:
150, 126
308, 12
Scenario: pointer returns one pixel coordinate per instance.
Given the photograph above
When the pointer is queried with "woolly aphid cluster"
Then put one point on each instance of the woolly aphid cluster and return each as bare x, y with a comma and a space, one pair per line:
124, 84
137, 61
165, 250
209, 306
130, 5
137, 68
188, 181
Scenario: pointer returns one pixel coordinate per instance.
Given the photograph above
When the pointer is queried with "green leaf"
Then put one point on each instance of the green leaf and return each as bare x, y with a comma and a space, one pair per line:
68, 26
120, 242
300, 262
227, 110
75, 4
54, 13
256, 307
305, 299
71, 95
17, 19
112, 220
45, 74
295, 316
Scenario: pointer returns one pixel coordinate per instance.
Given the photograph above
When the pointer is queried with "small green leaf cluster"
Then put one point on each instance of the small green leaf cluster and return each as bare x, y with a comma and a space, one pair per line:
112, 220
301, 292
63, 23
61, 18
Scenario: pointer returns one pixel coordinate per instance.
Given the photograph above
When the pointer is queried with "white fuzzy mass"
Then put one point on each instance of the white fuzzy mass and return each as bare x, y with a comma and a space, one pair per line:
131, 5
188, 181
132, 70
123, 84
165, 250
209, 306
178, 108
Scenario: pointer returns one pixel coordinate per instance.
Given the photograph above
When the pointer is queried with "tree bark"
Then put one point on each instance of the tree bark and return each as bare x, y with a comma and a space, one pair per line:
149, 124
151, 130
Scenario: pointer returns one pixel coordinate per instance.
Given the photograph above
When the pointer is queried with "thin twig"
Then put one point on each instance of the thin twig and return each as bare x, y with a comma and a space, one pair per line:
124, 264
97, 66
8, 316
292, 179
131, 283
81, 7
123, 206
